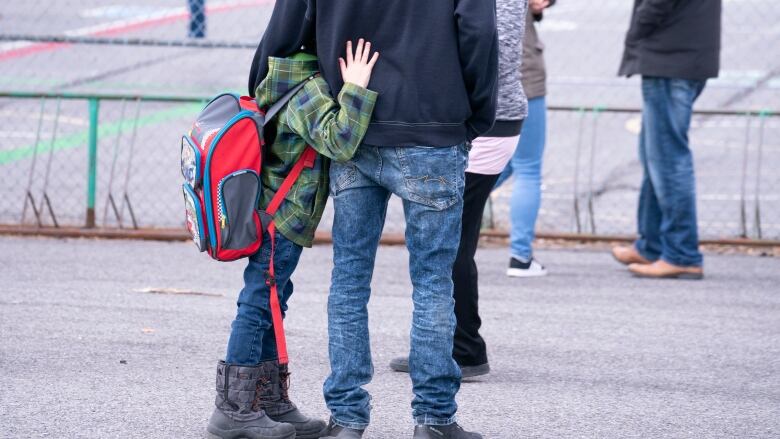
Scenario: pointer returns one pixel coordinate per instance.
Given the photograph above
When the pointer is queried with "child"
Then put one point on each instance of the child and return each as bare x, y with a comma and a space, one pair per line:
252, 387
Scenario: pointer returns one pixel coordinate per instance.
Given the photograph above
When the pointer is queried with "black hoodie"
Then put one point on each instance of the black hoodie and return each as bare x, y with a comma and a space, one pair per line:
437, 74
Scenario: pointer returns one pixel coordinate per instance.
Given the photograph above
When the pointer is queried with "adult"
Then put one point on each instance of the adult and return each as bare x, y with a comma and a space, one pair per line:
437, 80
526, 164
675, 46
489, 155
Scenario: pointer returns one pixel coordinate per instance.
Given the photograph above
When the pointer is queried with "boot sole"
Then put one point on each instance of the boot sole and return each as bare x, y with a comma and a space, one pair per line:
475, 371
236, 434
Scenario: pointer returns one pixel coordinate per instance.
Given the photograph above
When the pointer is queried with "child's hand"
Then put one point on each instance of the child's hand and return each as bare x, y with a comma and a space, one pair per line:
357, 69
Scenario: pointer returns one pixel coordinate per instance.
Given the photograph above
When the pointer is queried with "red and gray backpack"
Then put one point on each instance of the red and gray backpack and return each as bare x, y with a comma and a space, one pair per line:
221, 161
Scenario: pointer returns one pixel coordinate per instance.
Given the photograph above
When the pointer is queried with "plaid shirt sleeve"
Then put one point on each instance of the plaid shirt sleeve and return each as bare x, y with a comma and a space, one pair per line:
334, 129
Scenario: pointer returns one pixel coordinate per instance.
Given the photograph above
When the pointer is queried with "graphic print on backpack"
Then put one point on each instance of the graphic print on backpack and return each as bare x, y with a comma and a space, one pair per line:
194, 216
190, 163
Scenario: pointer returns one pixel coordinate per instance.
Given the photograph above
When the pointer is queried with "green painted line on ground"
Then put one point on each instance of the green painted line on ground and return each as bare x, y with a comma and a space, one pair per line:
109, 129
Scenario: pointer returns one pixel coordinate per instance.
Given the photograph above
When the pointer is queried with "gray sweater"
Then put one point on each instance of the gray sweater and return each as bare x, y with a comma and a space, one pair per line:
512, 103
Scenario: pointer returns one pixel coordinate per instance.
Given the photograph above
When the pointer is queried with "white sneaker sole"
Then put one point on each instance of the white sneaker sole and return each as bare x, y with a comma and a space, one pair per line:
519, 272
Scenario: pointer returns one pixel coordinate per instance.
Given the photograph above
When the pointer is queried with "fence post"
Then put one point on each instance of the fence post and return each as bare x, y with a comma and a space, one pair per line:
94, 106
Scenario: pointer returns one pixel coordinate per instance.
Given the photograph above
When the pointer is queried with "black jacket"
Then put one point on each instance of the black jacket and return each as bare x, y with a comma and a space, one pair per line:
438, 69
673, 39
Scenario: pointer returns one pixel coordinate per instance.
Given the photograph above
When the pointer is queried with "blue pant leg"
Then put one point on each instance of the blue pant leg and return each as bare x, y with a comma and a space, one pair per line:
288, 256
360, 206
527, 169
430, 181
668, 105
648, 211
251, 338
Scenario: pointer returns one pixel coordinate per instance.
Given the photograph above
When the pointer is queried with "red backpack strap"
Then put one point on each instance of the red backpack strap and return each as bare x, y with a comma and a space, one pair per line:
306, 160
276, 308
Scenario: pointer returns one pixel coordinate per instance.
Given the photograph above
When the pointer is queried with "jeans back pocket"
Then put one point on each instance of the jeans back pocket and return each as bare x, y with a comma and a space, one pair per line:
433, 176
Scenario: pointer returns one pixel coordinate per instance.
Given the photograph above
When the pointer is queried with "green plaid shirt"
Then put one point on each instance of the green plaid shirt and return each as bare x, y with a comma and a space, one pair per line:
335, 128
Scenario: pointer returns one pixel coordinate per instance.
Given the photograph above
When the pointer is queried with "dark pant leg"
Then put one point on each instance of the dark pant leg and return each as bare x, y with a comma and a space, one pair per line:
469, 347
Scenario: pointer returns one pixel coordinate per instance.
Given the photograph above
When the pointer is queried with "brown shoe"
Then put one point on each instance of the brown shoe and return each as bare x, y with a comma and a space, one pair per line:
661, 269
628, 254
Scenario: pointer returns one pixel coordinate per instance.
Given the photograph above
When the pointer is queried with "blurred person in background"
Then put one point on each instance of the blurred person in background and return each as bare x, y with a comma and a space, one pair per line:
197, 18
675, 47
488, 157
526, 164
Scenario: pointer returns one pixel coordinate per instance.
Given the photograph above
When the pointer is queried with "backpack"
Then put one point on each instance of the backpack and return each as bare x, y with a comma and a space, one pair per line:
221, 162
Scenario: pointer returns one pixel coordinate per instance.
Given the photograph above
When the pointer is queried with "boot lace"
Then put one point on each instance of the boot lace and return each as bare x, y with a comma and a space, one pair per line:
284, 384
263, 393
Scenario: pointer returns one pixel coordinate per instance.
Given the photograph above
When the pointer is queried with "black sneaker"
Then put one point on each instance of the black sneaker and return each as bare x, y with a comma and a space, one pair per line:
452, 431
401, 364
532, 268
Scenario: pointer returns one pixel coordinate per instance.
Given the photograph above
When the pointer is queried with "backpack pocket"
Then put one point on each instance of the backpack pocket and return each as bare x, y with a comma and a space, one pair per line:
194, 217
238, 198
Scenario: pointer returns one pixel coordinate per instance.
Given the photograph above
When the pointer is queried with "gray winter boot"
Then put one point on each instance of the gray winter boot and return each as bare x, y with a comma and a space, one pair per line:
274, 399
238, 414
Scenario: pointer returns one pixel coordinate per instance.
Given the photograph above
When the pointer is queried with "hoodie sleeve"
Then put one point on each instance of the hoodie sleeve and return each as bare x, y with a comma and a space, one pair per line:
278, 40
334, 129
478, 45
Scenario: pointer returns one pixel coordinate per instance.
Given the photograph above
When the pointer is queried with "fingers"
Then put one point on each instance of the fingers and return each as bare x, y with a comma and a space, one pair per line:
373, 60
358, 58
366, 52
359, 51
350, 56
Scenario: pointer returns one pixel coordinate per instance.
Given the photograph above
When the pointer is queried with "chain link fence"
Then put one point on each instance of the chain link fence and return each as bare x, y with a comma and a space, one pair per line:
94, 95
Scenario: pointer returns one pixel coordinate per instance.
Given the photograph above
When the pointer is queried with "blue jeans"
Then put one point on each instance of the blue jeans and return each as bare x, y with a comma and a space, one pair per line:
252, 337
430, 182
667, 200
526, 165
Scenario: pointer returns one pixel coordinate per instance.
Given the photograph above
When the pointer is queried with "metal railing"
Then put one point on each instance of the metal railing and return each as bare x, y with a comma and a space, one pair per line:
572, 198
93, 102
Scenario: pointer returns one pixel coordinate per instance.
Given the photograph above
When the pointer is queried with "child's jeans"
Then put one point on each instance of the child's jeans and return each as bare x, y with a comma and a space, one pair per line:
252, 336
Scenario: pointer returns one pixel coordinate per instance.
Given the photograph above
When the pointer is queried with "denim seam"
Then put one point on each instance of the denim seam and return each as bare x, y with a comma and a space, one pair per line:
379, 168
254, 345
352, 425
431, 420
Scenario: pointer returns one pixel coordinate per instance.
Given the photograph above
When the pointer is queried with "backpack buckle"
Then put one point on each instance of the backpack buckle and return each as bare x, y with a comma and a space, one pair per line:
270, 280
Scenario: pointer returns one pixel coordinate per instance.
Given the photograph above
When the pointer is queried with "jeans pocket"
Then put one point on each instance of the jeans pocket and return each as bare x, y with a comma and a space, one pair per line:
432, 175
342, 175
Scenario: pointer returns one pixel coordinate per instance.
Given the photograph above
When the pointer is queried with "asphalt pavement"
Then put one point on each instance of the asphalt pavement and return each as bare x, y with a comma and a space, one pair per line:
86, 350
